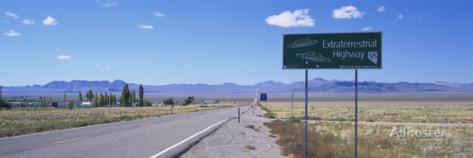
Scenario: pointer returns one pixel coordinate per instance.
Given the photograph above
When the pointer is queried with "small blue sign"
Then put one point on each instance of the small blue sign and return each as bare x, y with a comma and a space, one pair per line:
263, 97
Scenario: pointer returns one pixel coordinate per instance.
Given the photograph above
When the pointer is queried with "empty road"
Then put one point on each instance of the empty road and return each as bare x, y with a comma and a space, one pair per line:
129, 139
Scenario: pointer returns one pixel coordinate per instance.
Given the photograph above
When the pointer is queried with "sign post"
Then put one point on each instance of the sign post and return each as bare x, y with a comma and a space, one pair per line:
306, 147
356, 113
332, 51
238, 114
264, 97
292, 103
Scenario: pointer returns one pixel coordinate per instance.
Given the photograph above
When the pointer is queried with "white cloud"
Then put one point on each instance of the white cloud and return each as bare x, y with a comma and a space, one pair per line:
400, 17
369, 28
381, 9
347, 12
145, 26
12, 33
28, 22
110, 4
103, 67
49, 21
297, 18
64, 57
158, 14
12, 15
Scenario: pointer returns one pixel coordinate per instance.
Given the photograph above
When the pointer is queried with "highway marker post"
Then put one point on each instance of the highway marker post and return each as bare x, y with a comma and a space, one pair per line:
238, 114
172, 108
332, 51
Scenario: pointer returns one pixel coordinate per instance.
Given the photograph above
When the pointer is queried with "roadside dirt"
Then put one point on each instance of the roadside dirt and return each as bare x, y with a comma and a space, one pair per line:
249, 138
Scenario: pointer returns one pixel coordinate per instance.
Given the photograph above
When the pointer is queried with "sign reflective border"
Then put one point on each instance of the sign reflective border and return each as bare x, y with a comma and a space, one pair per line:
332, 51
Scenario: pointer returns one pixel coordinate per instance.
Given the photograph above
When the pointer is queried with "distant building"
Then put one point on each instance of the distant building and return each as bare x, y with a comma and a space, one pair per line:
86, 104
26, 104
209, 101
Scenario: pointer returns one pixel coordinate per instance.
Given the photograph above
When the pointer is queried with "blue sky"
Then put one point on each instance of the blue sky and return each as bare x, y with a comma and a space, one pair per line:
217, 41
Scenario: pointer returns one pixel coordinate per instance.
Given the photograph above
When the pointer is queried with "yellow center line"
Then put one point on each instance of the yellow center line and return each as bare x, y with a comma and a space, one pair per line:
69, 140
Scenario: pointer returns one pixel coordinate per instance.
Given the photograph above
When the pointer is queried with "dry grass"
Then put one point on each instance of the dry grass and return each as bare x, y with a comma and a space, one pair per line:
20, 121
332, 138
336, 140
375, 111
250, 126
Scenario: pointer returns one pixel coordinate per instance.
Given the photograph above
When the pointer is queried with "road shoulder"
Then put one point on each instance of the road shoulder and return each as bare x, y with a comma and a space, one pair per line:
249, 138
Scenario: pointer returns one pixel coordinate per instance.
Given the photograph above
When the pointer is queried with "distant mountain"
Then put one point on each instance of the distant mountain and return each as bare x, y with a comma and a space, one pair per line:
76, 85
316, 85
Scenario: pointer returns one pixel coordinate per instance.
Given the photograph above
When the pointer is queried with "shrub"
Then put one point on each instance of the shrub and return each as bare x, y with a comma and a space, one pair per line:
250, 126
147, 103
4, 104
70, 105
291, 140
250, 147
168, 101
55, 104
189, 100
294, 119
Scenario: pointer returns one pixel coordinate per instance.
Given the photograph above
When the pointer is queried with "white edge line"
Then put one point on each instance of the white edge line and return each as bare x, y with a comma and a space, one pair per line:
187, 139
76, 128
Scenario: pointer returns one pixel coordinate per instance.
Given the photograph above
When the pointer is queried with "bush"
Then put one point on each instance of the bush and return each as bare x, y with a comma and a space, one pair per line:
189, 100
294, 119
147, 103
55, 104
168, 101
291, 140
4, 104
70, 105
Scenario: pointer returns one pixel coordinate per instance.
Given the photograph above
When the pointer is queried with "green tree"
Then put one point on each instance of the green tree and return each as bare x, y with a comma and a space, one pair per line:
168, 101
114, 100
4, 104
111, 99
89, 95
101, 100
188, 100
96, 99
147, 103
133, 97
141, 94
70, 105
80, 96
106, 99
125, 97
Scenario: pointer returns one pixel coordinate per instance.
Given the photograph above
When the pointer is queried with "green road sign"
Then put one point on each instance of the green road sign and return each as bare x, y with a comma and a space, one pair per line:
332, 51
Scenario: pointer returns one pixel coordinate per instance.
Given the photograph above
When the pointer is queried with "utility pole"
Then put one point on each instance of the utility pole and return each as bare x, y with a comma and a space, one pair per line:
65, 100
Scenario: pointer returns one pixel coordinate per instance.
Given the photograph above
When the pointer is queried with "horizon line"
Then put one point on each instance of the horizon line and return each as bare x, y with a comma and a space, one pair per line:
229, 82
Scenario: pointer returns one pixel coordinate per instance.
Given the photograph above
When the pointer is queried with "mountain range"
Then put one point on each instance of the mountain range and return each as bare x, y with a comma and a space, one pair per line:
316, 85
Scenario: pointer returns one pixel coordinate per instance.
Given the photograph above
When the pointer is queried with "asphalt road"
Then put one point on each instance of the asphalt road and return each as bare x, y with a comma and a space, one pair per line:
133, 139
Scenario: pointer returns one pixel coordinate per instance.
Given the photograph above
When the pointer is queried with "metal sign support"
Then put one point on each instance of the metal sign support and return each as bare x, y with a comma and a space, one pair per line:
356, 113
306, 149
292, 103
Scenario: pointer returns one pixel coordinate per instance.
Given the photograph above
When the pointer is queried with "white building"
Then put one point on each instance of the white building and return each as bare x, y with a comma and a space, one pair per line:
86, 104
